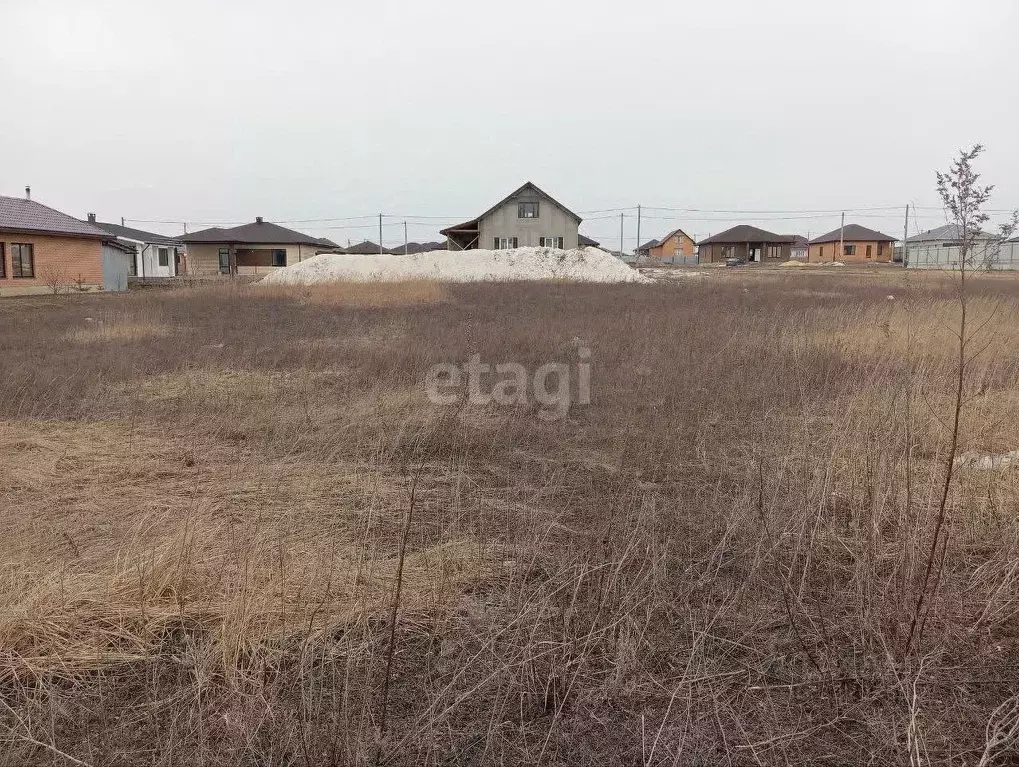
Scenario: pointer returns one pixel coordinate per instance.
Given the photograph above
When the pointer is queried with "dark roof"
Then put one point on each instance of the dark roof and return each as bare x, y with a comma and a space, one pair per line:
587, 242
325, 242
799, 241
419, 247
946, 233
366, 248
853, 233
23, 215
473, 223
134, 234
648, 245
117, 245
746, 233
257, 233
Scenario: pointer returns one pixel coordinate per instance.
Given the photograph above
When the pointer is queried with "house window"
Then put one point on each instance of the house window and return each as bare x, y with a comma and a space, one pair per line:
506, 243
22, 260
728, 251
551, 242
527, 210
224, 260
869, 250
774, 251
880, 249
820, 251
848, 250
132, 268
3, 261
164, 257
279, 258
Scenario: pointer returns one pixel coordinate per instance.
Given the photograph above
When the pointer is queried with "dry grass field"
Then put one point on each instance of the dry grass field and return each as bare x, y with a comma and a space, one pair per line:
211, 498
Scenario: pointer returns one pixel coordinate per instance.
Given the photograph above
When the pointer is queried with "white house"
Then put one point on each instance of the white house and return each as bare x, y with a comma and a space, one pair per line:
941, 249
156, 255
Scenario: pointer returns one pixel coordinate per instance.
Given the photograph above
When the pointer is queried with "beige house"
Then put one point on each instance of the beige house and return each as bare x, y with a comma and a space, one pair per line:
526, 218
251, 249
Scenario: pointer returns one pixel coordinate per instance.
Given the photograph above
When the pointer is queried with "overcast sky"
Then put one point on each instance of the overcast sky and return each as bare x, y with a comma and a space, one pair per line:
311, 109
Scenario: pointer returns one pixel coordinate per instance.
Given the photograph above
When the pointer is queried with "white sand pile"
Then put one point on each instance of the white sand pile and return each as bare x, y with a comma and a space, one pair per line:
581, 265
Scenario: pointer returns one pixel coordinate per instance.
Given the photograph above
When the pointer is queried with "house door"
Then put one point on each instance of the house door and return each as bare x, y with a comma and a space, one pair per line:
178, 266
753, 254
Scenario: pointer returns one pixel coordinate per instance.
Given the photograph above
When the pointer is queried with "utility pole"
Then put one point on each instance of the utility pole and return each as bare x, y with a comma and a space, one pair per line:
637, 251
121, 220
905, 234
620, 235
405, 246
380, 234
842, 238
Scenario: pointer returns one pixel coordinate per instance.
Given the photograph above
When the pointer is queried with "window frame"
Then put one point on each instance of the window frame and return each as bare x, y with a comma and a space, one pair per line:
3, 260
224, 268
870, 251
849, 250
555, 243
276, 252
880, 249
523, 205
163, 257
506, 243
20, 246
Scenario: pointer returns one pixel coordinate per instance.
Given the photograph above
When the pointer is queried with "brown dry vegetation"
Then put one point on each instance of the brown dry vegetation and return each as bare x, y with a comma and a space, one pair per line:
203, 495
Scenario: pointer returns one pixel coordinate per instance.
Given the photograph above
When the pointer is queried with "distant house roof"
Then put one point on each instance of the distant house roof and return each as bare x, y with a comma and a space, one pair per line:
473, 223
128, 233
587, 242
366, 248
746, 233
419, 247
648, 245
24, 215
325, 242
853, 233
799, 241
258, 233
946, 233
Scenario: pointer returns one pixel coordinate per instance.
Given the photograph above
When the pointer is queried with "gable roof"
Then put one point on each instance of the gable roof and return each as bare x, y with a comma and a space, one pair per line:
24, 215
746, 233
946, 233
134, 234
648, 245
587, 242
799, 241
257, 233
669, 236
473, 223
853, 233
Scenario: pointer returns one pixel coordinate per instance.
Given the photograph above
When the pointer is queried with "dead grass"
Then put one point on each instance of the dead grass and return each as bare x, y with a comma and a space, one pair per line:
713, 563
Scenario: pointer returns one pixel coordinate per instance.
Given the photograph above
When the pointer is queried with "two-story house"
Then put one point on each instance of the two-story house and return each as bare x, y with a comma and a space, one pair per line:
526, 218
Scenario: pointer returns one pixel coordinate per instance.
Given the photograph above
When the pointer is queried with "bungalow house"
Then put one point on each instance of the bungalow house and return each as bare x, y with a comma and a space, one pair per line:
250, 249
527, 217
677, 247
746, 243
155, 255
852, 243
941, 248
43, 250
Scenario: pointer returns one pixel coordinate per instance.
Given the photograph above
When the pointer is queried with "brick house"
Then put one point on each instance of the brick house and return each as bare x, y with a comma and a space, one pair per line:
677, 247
853, 244
250, 249
746, 243
43, 250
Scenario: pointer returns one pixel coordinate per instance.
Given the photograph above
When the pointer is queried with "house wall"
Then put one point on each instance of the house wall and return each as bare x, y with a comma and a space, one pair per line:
63, 259
831, 252
667, 250
203, 258
717, 252
552, 221
147, 259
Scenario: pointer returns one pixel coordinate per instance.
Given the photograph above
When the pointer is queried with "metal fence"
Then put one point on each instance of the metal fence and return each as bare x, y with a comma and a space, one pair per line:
991, 256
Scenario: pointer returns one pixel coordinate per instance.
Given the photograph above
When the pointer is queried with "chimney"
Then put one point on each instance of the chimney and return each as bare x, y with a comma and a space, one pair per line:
28, 193
91, 218
258, 219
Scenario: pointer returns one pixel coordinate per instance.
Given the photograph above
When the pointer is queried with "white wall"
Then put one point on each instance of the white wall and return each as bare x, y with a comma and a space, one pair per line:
991, 256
